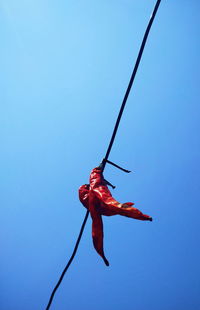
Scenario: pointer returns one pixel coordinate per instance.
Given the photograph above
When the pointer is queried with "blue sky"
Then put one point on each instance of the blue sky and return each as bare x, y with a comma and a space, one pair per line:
65, 66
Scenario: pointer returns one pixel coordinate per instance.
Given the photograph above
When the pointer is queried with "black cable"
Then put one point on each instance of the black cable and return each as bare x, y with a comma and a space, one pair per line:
131, 81
69, 262
111, 142
113, 164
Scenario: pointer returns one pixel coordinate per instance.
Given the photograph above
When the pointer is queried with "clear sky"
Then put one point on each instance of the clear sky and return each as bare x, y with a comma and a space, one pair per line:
65, 66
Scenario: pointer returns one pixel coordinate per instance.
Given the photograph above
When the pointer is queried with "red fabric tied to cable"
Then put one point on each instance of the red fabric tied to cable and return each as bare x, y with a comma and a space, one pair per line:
97, 198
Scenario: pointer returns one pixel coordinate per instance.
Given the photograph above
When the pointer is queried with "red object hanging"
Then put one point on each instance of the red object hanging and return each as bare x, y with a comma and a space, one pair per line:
97, 198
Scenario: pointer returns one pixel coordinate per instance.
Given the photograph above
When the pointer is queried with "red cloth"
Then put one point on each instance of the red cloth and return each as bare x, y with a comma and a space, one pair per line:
97, 198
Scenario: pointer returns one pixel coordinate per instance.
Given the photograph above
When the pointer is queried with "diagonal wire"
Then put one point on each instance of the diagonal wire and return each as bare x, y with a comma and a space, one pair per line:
111, 142
131, 81
69, 262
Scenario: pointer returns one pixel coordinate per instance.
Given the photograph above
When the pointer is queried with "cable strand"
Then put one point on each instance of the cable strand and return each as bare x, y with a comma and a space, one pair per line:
69, 262
110, 144
131, 81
